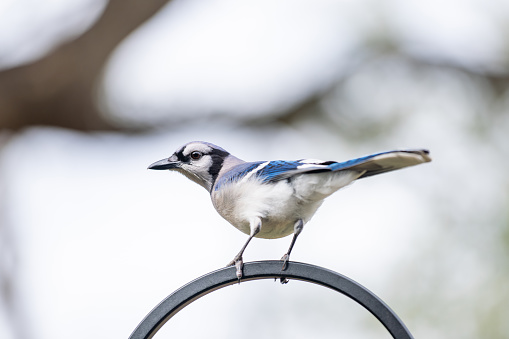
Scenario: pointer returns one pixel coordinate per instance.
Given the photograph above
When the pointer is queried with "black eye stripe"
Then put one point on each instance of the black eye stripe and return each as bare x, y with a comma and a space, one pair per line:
180, 155
187, 158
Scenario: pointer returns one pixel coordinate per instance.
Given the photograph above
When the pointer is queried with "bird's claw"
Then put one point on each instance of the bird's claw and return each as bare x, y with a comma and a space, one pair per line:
285, 259
239, 265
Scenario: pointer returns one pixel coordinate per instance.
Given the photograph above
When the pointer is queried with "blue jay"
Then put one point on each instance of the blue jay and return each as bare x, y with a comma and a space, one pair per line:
273, 199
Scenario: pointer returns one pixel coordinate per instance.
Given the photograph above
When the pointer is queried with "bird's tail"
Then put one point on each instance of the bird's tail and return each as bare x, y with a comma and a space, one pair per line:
384, 162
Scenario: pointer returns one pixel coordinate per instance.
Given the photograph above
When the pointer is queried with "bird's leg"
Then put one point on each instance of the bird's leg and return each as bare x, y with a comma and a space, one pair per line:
237, 260
297, 229
256, 225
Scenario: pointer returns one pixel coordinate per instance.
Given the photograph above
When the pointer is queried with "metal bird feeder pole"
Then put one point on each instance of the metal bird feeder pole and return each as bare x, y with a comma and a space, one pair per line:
269, 270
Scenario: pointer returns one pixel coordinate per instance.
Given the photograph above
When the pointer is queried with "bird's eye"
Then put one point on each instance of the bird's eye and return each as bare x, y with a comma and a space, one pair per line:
196, 155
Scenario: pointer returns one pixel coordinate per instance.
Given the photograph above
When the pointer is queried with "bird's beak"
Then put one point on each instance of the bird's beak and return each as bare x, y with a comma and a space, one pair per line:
165, 164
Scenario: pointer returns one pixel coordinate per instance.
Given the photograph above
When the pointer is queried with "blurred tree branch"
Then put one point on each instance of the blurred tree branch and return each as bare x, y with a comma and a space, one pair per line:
311, 106
58, 89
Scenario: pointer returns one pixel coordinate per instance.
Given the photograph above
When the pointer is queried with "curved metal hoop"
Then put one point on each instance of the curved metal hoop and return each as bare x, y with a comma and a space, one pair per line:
269, 270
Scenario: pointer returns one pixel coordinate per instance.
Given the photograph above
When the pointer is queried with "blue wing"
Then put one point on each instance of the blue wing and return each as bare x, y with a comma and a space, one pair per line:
268, 171
237, 173
282, 169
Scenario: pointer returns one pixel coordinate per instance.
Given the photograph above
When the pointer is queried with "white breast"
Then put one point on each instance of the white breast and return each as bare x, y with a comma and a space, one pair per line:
279, 204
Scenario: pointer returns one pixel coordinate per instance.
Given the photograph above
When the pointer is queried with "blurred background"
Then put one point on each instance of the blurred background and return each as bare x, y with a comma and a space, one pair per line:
93, 91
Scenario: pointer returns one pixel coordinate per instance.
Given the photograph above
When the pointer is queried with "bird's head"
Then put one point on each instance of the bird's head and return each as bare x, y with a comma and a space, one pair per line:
199, 161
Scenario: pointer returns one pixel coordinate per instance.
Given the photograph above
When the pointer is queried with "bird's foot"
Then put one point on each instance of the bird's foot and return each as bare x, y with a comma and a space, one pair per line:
283, 280
239, 265
284, 259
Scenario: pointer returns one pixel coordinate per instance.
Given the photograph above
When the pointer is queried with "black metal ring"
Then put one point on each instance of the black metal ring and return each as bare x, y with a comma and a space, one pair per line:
267, 270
